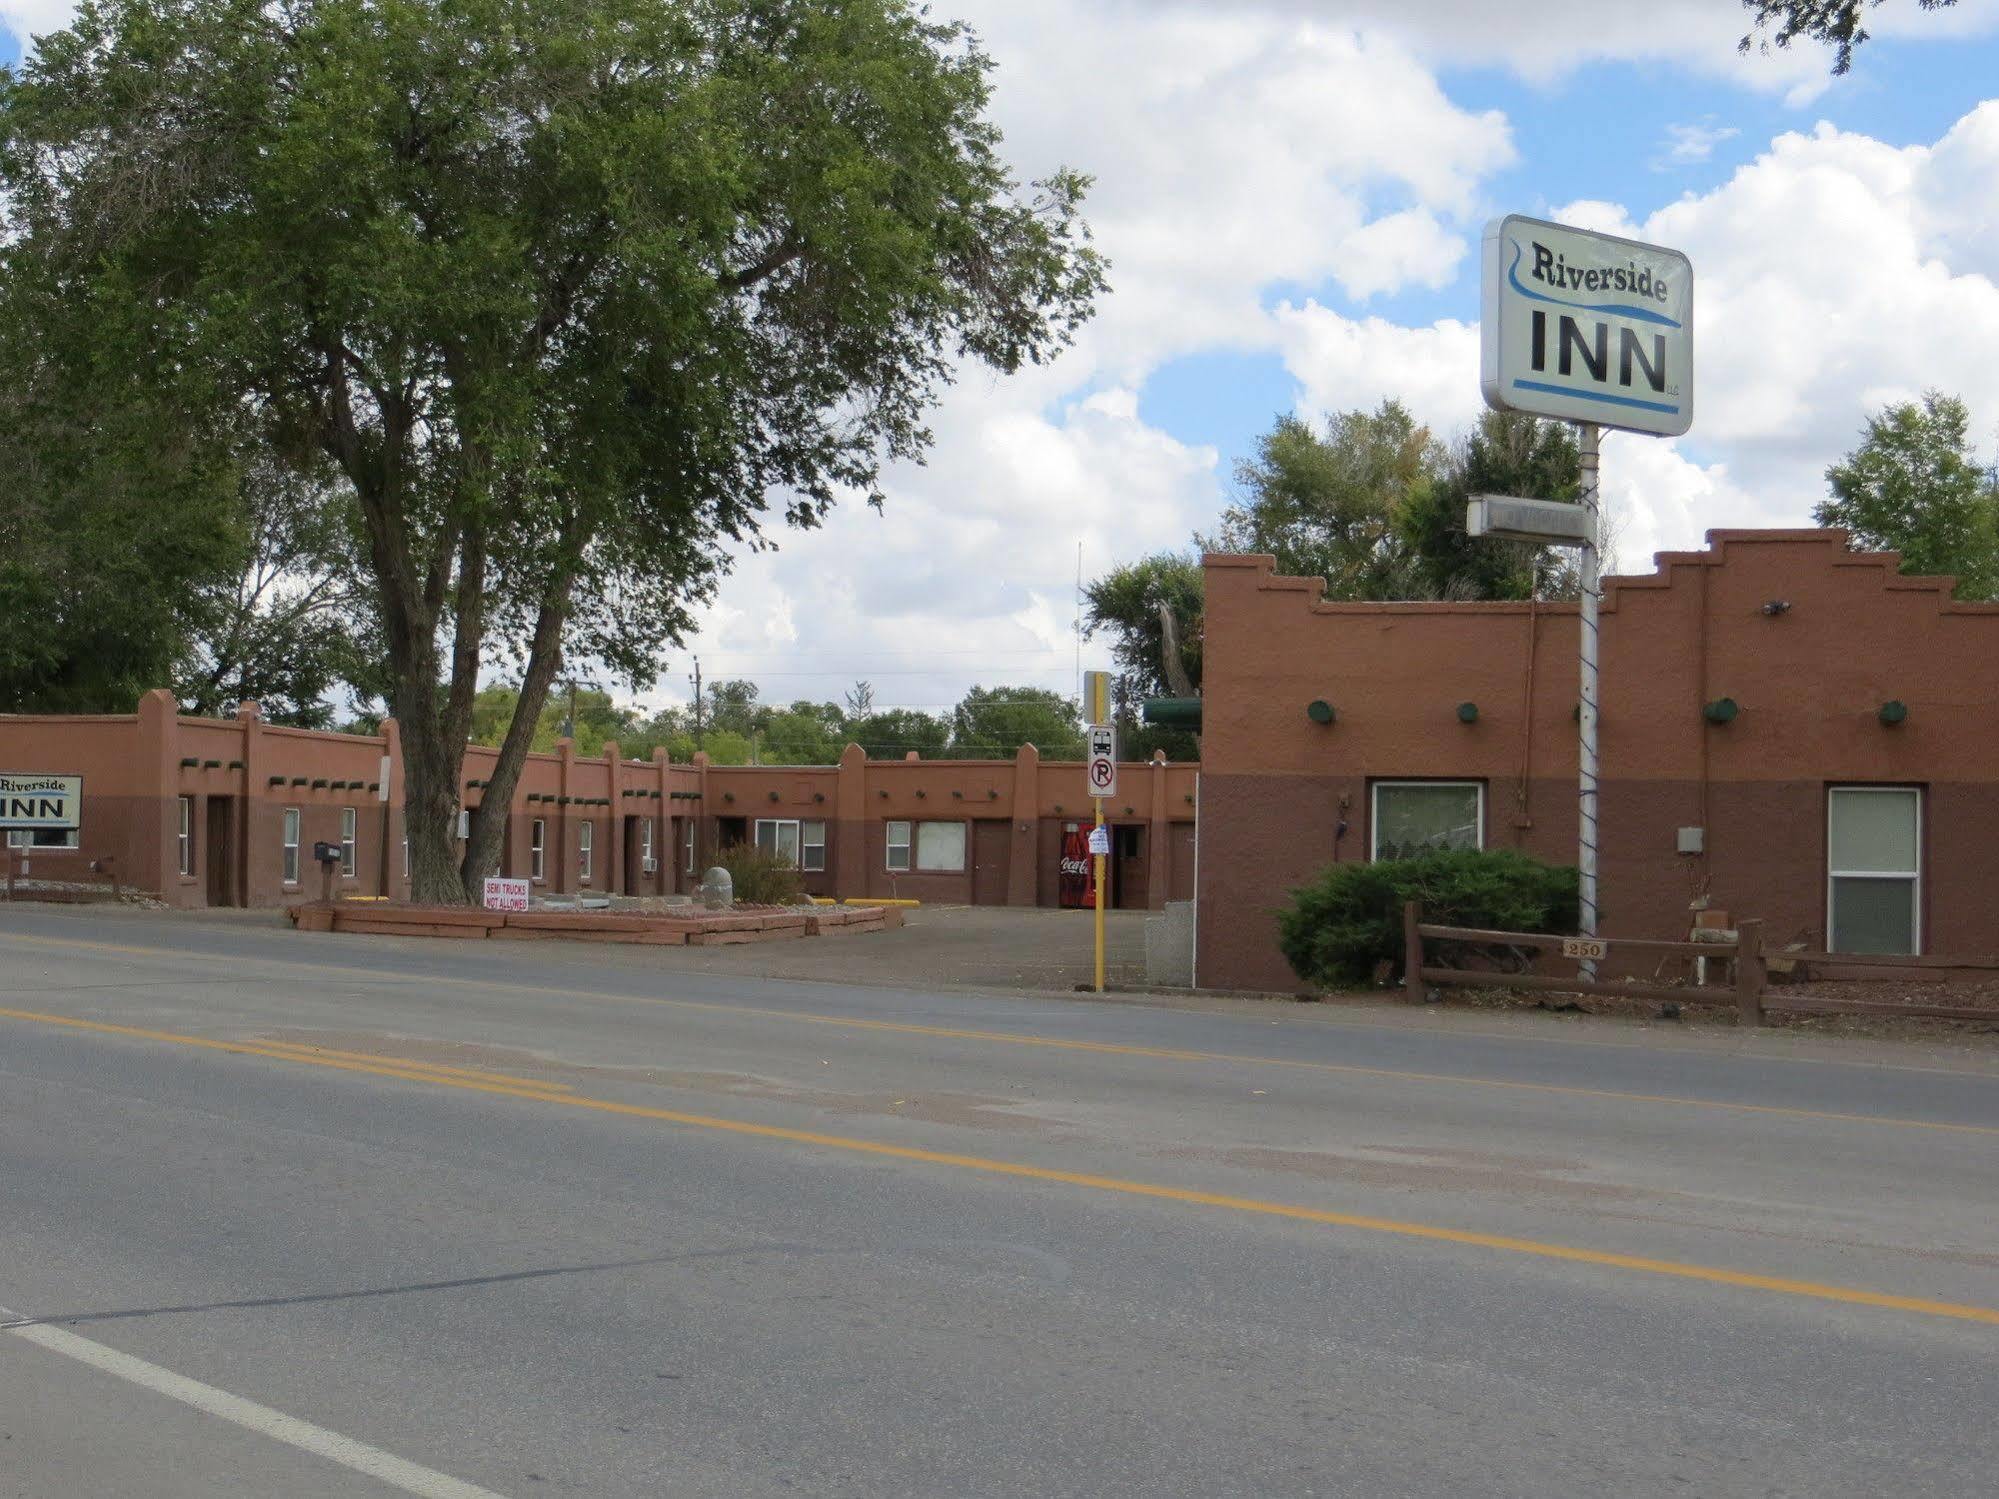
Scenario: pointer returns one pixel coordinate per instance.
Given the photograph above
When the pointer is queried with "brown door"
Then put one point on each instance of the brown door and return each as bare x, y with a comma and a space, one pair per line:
989, 861
637, 881
215, 851
1130, 873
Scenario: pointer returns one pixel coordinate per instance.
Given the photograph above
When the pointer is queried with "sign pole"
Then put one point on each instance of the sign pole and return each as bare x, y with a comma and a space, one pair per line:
1098, 860
1591, 439
1101, 770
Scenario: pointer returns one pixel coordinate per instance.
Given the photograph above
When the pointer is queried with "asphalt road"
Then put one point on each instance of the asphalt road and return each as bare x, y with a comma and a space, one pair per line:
300, 1215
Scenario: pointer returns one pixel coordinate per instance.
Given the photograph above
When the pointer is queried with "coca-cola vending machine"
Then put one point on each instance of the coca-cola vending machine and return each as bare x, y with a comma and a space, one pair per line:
1078, 869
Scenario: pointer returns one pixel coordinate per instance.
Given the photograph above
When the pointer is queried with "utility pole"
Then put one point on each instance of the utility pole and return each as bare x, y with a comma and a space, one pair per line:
699, 741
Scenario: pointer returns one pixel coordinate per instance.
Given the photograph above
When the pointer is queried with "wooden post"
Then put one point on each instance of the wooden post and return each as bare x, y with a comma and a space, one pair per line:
11, 858
1412, 952
1749, 972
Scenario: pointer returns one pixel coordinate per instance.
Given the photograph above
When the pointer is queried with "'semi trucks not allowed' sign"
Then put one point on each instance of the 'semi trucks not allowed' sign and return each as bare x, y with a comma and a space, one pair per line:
1587, 327
506, 895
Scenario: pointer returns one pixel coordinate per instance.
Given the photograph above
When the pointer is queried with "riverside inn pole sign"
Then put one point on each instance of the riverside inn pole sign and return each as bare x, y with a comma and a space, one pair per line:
1587, 327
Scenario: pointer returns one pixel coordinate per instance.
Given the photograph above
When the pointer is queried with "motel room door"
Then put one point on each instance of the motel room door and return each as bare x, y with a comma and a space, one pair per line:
989, 861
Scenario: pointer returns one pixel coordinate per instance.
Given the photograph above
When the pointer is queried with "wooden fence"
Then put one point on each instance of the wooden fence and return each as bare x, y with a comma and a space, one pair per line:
1747, 991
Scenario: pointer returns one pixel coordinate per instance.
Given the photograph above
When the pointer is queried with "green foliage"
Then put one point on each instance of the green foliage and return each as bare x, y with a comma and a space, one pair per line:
117, 514
1837, 23
1376, 506
992, 723
566, 291
1507, 453
760, 877
892, 733
1326, 506
804, 734
1126, 603
1914, 486
1342, 926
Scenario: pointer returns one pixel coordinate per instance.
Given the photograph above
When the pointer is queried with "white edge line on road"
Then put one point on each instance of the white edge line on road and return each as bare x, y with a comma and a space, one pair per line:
411, 1478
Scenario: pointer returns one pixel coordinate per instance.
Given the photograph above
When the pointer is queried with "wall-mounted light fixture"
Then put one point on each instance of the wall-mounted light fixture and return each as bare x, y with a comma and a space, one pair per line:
1776, 607
1467, 712
1721, 710
1319, 711
1893, 711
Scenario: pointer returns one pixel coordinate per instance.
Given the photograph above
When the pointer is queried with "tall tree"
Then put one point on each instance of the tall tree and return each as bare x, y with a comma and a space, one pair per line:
733, 707
1507, 453
564, 288
1326, 504
117, 518
1139, 605
891, 733
1914, 486
992, 723
282, 628
1837, 23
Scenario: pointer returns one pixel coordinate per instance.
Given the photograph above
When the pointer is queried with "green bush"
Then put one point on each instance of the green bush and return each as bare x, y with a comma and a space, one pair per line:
759, 877
1342, 926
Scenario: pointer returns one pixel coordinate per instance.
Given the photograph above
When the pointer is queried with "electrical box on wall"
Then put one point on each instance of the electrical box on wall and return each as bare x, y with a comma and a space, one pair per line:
1693, 840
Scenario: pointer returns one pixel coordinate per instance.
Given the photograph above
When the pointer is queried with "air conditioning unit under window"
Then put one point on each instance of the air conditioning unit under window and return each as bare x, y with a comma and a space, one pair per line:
649, 866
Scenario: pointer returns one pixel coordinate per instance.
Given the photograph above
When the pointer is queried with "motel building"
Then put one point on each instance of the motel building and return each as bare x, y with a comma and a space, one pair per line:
1790, 730
228, 812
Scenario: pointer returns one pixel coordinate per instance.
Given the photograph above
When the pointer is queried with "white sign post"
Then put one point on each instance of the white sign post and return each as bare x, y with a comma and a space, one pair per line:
1103, 760
1597, 330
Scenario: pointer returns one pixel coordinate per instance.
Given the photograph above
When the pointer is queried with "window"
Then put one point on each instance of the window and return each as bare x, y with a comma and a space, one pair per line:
537, 847
584, 835
940, 847
645, 842
687, 844
291, 845
799, 843
898, 846
406, 857
1421, 817
779, 838
1873, 869
347, 843
185, 837
41, 838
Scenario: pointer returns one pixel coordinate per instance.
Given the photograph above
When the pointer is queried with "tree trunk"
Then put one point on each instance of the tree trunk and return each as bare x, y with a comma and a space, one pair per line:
489, 822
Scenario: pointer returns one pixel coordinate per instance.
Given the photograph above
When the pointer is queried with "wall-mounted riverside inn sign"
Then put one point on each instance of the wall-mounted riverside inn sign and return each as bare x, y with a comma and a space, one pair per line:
37, 801
1587, 327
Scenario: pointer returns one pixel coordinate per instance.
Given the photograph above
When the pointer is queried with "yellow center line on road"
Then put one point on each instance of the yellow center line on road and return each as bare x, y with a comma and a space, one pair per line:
1678, 1270
308, 1051
1104, 1048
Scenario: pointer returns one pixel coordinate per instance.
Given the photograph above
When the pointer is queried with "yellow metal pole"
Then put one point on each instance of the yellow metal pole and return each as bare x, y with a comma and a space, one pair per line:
1099, 860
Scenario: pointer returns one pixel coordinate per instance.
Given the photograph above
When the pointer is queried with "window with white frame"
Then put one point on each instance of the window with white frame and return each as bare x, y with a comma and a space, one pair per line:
291, 846
406, 856
645, 843
347, 824
898, 847
687, 844
799, 842
1423, 817
1874, 860
184, 838
940, 847
537, 849
585, 835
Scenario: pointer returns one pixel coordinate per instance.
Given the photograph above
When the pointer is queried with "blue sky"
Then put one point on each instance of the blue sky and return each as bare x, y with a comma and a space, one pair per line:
1292, 191
1605, 132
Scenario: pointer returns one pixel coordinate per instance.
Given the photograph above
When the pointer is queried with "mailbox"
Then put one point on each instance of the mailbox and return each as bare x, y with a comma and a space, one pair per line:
326, 853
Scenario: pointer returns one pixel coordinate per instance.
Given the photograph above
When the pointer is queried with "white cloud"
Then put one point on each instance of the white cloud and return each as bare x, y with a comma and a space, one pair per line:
1689, 145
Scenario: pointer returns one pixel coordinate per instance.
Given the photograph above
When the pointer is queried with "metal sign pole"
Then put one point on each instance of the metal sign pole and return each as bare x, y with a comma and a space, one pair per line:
1099, 861
1587, 781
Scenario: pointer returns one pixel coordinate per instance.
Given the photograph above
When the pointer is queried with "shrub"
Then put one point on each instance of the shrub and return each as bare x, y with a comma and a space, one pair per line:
1342, 926
761, 877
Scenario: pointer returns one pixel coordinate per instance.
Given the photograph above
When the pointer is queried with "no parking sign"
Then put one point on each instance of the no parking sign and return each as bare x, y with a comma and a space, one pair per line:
1103, 760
